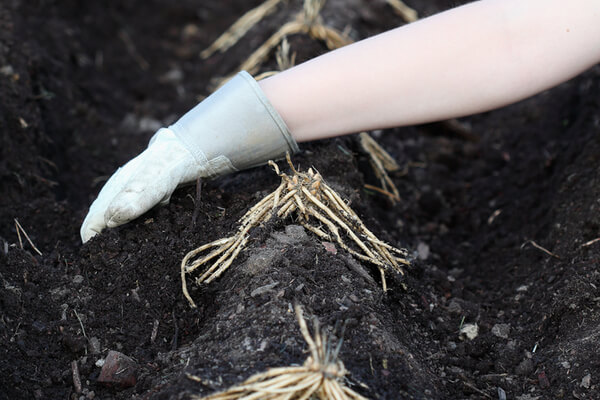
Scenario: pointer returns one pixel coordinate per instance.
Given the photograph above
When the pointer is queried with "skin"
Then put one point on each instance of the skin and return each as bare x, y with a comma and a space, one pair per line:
467, 60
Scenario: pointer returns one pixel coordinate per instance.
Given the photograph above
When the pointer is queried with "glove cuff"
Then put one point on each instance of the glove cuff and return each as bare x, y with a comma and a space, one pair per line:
234, 128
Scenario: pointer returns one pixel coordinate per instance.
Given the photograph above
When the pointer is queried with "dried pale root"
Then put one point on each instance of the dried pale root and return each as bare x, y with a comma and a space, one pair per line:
407, 13
381, 162
240, 28
285, 60
308, 21
321, 376
310, 199
20, 229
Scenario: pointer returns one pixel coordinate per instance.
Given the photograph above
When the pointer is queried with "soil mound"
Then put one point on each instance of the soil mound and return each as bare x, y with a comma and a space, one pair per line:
501, 299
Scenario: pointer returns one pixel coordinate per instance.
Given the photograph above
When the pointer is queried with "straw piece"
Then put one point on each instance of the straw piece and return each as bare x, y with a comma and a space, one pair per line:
321, 376
381, 162
404, 11
232, 35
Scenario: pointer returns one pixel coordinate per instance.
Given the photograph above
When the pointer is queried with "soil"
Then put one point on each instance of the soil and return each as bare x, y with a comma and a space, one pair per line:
500, 228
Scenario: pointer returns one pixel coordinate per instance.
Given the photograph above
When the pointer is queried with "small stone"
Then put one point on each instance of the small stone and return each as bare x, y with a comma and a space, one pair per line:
263, 345
543, 380
94, 345
423, 251
118, 370
525, 367
190, 31
77, 279
586, 381
330, 247
294, 234
527, 396
454, 307
148, 124
258, 262
39, 326
247, 343
470, 331
501, 394
565, 364
7, 70
59, 293
174, 75
263, 289
501, 330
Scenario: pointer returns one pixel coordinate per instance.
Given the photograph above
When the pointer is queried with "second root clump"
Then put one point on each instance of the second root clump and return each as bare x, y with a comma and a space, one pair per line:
322, 377
318, 208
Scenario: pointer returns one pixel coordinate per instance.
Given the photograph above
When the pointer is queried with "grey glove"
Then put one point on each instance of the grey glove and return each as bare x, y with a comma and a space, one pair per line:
233, 129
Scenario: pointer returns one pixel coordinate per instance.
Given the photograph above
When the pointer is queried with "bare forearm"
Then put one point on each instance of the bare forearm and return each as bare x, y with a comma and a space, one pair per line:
467, 60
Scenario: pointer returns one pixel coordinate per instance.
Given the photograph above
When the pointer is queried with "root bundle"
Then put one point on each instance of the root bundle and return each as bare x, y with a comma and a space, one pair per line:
382, 163
320, 377
308, 21
318, 208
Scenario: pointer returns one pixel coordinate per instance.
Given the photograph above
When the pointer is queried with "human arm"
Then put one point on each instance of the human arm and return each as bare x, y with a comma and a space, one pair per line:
467, 60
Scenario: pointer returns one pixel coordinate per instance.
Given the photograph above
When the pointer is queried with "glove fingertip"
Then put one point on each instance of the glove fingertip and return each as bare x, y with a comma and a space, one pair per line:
87, 235
91, 226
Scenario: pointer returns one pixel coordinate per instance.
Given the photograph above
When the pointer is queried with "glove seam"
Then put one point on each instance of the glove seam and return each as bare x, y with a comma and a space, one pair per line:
283, 129
196, 153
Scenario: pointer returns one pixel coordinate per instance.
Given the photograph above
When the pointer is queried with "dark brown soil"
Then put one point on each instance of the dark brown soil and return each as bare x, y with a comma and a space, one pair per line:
83, 85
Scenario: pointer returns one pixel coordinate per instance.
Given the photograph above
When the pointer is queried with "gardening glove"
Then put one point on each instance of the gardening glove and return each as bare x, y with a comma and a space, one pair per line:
233, 129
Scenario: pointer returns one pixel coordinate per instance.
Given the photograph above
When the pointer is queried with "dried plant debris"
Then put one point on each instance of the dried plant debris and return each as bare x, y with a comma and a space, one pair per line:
382, 163
318, 208
285, 59
308, 21
321, 376
236, 31
404, 11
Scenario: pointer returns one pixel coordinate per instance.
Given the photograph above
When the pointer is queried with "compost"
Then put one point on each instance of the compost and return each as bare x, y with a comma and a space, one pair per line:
499, 213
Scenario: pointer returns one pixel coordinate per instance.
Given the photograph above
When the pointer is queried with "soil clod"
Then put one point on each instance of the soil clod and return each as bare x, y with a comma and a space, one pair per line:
118, 370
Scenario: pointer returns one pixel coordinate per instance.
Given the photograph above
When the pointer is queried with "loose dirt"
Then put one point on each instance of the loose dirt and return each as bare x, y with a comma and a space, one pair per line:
83, 85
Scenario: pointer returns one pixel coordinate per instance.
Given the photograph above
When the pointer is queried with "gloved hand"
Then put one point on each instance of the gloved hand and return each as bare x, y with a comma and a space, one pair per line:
233, 129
